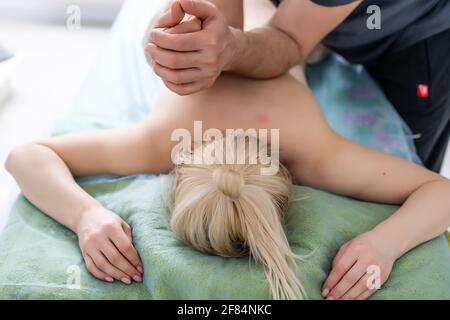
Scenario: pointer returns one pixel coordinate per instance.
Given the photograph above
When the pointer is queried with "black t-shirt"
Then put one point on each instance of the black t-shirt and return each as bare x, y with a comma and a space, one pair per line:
403, 23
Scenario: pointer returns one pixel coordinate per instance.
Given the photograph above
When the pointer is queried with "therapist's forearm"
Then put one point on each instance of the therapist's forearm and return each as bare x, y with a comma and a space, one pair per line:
263, 53
424, 216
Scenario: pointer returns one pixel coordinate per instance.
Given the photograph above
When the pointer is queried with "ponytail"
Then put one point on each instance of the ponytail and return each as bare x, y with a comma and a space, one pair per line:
231, 211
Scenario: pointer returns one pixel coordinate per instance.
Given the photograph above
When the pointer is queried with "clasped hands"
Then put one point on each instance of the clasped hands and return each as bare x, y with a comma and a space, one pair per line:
190, 46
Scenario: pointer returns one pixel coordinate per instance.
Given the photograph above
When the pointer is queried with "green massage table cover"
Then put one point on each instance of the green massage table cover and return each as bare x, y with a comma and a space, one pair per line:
39, 258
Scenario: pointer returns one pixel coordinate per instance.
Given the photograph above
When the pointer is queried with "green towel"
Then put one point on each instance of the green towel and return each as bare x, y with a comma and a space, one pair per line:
39, 257
38, 254
447, 235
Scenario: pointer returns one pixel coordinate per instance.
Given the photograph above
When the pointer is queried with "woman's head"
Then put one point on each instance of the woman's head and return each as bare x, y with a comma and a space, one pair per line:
232, 210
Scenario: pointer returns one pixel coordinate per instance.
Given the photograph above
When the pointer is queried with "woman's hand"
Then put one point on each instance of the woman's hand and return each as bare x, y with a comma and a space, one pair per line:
106, 243
359, 268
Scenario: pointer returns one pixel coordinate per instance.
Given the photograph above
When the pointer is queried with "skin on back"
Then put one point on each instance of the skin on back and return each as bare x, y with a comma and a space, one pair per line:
237, 103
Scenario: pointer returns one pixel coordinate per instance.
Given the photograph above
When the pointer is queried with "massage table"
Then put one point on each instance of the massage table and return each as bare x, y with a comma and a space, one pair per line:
41, 259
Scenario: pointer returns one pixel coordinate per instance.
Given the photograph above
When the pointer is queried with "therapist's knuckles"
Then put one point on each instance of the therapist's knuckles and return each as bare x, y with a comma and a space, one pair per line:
184, 89
181, 90
174, 41
192, 25
211, 48
172, 17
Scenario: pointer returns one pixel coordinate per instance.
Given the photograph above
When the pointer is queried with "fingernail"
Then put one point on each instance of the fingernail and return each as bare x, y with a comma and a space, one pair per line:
126, 280
137, 278
139, 268
330, 298
109, 279
325, 292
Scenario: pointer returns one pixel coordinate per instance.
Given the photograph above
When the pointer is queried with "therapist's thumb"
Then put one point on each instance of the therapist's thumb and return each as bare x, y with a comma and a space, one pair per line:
171, 18
201, 9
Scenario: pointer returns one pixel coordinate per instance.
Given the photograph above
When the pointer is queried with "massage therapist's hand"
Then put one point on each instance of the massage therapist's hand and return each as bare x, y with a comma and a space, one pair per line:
192, 60
106, 243
352, 275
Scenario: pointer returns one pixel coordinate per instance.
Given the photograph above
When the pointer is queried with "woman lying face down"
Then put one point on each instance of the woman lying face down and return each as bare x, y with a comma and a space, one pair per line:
234, 210
231, 209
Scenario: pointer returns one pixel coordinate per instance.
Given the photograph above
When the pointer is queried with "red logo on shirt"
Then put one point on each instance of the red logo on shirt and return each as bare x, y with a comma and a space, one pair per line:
423, 91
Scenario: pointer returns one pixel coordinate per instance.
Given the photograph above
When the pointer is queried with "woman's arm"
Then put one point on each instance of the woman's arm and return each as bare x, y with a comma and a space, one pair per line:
347, 168
45, 169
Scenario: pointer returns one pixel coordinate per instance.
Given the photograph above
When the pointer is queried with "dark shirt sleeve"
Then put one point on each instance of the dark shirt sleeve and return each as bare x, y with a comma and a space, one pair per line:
332, 3
326, 3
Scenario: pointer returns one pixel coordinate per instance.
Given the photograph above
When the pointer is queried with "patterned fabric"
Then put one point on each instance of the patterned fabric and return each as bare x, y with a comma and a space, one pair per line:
356, 108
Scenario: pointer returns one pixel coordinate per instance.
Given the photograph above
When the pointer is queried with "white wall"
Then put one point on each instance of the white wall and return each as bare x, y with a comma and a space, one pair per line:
92, 11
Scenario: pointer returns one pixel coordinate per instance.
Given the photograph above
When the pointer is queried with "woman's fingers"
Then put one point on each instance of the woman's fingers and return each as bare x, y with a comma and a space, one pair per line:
106, 267
122, 240
366, 294
339, 269
359, 269
90, 265
351, 278
116, 258
339, 255
126, 227
359, 288
128, 232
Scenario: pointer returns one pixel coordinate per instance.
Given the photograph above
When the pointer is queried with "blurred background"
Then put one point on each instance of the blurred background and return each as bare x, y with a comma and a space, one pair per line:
44, 56
46, 49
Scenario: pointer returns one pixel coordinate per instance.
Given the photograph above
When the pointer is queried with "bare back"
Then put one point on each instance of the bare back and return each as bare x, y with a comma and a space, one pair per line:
238, 103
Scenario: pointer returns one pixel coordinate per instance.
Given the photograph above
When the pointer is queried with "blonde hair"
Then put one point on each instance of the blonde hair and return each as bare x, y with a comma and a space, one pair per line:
232, 210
